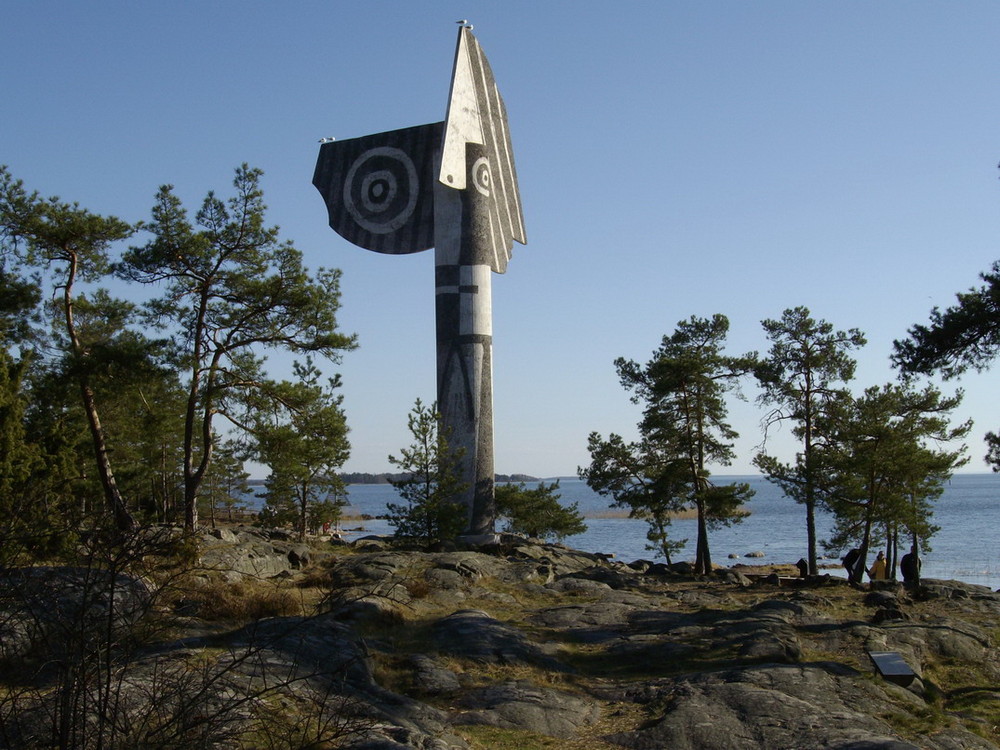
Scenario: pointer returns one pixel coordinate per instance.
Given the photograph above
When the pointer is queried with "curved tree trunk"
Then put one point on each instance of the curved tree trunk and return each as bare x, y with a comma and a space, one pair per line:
123, 519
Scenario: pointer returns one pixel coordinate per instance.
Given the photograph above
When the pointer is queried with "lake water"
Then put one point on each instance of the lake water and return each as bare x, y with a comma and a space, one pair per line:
965, 549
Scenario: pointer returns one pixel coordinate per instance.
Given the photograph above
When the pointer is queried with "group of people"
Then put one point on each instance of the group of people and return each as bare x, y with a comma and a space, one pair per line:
909, 566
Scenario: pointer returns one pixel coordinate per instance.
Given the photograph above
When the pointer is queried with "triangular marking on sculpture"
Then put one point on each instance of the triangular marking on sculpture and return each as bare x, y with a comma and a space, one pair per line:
495, 241
456, 363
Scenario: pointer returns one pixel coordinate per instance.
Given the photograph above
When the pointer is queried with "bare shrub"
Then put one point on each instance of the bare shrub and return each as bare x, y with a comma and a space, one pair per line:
88, 662
245, 601
418, 588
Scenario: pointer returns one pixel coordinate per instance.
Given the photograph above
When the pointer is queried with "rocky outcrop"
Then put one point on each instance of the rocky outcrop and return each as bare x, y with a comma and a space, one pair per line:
59, 607
423, 650
248, 551
768, 706
526, 706
473, 634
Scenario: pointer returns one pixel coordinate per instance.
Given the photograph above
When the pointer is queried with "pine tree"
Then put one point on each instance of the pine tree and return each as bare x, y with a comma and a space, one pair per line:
683, 427
300, 433
799, 379
72, 244
431, 512
883, 466
231, 289
537, 512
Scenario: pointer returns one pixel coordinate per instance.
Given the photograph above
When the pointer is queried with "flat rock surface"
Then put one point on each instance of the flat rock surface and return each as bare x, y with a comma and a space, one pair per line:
522, 705
536, 645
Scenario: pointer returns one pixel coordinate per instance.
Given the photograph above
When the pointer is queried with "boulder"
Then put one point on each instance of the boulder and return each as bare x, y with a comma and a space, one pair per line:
593, 622
372, 543
249, 553
584, 586
469, 565
682, 568
938, 638
733, 576
53, 610
431, 678
771, 707
883, 599
522, 705
614, 575
475, 635
639, 566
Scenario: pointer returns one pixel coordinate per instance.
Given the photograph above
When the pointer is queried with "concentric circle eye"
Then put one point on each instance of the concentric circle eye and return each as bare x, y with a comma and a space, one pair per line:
381, 189
481, 177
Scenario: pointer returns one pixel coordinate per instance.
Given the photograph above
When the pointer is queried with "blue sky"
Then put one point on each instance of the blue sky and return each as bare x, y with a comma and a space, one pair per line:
674, 159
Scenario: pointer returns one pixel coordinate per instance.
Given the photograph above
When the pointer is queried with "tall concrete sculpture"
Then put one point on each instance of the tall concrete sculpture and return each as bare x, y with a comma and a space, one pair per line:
449, 185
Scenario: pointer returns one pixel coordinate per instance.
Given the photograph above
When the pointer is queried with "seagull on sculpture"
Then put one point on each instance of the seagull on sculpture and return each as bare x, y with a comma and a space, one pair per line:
462, 22
327, 140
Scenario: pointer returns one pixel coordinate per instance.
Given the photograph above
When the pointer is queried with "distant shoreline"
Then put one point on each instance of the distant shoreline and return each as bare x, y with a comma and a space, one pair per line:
385, 477
691, 513
388, 478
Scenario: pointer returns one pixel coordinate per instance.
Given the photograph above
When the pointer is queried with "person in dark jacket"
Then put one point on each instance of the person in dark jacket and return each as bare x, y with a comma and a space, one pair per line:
909, 566
850, 563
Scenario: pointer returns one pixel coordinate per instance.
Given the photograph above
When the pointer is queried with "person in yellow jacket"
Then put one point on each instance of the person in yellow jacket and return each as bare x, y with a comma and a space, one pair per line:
877, 572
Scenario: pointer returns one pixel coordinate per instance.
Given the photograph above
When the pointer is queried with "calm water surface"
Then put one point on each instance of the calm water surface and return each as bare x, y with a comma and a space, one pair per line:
965, 548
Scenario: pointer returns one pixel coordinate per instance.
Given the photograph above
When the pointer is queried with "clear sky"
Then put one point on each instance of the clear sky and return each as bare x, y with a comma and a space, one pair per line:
674, 159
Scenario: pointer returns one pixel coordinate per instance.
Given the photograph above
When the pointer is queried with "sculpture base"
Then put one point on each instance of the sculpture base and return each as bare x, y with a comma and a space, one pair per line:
479, 540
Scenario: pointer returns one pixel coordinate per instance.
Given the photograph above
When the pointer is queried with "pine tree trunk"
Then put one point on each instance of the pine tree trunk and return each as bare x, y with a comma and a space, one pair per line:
123, 519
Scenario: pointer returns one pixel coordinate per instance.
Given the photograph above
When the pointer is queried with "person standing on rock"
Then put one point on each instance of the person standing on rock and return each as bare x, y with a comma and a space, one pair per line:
850, 562
878, 569
909, 566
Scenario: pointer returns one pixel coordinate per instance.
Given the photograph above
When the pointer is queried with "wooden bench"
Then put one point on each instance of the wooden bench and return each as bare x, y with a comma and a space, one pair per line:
892, 667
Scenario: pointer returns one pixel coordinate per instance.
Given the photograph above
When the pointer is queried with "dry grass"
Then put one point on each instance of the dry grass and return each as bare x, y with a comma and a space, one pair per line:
614, 718
969, 692
246, 601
